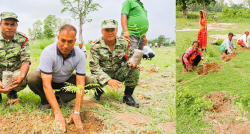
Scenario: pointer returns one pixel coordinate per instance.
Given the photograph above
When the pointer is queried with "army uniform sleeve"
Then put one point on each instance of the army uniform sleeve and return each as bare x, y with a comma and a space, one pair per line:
95, 68
25, 53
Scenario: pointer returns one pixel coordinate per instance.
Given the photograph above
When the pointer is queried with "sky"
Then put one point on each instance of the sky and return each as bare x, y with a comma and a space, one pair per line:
161, 15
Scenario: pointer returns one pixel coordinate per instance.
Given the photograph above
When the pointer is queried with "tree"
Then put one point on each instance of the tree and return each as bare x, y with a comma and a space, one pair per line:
50, 26
79, 10
60, 22
205, 3
247, 3
173, 42
36, 33
162, 39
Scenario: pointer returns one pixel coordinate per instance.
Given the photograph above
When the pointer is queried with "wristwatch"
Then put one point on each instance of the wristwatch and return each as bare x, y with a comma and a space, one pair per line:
77, 113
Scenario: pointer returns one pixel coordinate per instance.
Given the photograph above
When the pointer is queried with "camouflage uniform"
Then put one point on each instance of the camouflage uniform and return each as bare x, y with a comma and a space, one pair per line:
12, 54
106, 65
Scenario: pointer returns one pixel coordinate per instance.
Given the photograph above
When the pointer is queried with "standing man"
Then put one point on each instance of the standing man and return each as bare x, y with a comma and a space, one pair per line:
57, 62
108, 63
83, 48
14, 56
134, 23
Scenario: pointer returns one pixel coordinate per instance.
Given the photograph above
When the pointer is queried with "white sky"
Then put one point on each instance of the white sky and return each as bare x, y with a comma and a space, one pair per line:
161, 15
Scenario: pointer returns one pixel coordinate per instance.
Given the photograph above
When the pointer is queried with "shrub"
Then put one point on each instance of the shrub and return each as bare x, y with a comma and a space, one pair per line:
219, 41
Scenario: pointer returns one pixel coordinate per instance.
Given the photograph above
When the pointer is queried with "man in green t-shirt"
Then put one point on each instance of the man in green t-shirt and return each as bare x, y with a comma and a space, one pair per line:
134, 23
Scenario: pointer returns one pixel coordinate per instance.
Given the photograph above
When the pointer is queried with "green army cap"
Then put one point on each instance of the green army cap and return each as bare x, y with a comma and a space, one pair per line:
109, 24
7, 15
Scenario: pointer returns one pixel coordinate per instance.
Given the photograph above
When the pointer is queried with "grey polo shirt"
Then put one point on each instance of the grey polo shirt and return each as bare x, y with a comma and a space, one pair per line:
53, 62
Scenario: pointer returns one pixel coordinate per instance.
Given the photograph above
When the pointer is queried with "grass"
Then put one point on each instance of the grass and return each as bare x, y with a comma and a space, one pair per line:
158, 90
232, 77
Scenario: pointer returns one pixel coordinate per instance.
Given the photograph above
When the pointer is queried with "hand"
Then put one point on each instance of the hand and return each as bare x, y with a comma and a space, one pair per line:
2, 90
77, 120
114, 84
61, 121
17, 81
132, 66
190, 68
126, 35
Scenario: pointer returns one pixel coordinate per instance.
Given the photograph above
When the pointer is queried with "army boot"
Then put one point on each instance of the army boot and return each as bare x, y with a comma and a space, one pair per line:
98, 94
128, 99
13, 98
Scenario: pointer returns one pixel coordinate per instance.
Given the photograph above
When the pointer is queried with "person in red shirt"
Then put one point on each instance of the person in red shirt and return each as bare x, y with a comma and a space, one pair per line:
191, 58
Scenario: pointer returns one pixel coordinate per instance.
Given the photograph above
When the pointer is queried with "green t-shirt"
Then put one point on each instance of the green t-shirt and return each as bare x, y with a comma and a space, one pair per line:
137, 22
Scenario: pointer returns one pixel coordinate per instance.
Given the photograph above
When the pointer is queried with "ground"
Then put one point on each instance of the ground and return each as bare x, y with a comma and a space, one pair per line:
155, 93
230, 77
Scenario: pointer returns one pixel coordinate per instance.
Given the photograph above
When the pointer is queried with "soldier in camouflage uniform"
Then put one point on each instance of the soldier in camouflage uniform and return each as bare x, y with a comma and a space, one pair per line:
108, 63
14, 55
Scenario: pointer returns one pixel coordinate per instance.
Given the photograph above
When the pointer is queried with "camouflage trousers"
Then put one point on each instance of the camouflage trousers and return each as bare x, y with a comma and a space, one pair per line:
22, 85
135, 42
124, 74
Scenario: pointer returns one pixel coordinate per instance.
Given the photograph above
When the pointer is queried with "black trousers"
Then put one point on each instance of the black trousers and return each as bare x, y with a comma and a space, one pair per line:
196, 61
36, 85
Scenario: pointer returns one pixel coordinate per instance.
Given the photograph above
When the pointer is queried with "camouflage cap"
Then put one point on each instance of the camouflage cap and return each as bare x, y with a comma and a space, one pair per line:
109, 24
6, 15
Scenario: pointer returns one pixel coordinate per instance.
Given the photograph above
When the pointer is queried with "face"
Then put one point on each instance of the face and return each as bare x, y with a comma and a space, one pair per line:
230, 37
109, 34
66, 41
247, 33
80, 45
196, 46
8, 27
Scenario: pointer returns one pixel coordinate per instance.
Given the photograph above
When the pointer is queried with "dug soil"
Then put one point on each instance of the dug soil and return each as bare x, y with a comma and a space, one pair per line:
225, 117
244, 49
35, 123
209, 67
227, 58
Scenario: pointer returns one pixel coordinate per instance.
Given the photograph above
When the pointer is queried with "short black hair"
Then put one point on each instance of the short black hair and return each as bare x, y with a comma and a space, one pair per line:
231, 34
68, 27
197, 43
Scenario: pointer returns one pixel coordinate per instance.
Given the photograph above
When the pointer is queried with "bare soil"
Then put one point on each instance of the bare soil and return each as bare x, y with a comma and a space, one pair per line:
244, 49
220, 36
168, 127
37, 123
133, 120
212, 26
209, 67
227, 58
225, 117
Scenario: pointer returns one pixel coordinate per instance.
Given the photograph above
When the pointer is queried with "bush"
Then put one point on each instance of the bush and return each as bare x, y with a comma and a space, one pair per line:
193, 15
219, 41
42, 43
228, 12
191, 102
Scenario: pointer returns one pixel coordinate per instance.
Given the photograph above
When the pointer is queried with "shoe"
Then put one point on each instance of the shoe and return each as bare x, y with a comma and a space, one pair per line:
45, 107
61, 103
98, 94
129, 100
13, 98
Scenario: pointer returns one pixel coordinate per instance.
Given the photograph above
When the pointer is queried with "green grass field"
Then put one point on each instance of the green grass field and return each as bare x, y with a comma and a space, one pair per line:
233, 76
157, 107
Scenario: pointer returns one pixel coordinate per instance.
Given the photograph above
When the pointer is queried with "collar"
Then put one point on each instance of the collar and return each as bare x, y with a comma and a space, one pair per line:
71, 54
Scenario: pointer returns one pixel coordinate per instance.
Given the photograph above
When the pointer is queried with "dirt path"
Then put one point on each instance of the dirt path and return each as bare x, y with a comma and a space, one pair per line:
213, 26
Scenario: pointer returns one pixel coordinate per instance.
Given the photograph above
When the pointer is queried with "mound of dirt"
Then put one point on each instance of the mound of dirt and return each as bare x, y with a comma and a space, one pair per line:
90, 125
226, 118
220, 102
208, 67
244, 49
227, 58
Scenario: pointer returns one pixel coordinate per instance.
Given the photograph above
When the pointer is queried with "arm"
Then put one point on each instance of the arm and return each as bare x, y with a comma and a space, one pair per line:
201, 54
187, 54
49, 93
145, 41
124, 27
80, 81
228, 46
95, 68
124, 18
245, 40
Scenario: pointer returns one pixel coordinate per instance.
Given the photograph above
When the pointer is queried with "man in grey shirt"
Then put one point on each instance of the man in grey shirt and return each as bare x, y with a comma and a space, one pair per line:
57, 62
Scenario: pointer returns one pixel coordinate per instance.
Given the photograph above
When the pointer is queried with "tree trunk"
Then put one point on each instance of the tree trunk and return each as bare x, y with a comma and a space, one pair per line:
80, 31
205, 8
185, 13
